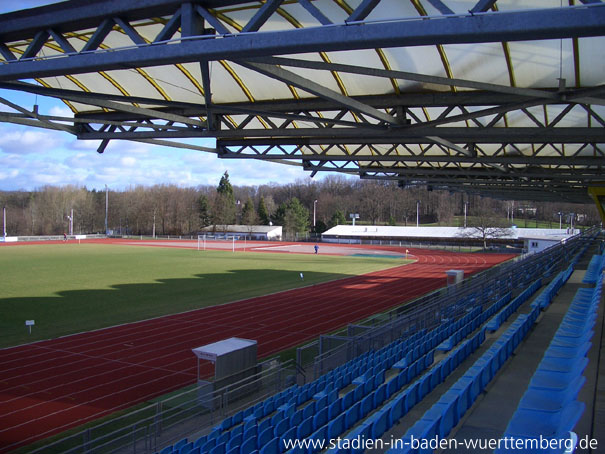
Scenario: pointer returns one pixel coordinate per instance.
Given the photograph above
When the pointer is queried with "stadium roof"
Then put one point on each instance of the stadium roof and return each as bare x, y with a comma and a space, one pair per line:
379, 231
503, 98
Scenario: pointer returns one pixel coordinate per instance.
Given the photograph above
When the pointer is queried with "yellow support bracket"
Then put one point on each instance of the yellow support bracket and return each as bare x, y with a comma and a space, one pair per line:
598, 195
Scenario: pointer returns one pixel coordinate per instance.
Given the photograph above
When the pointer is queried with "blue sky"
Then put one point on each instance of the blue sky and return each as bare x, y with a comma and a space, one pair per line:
32, 157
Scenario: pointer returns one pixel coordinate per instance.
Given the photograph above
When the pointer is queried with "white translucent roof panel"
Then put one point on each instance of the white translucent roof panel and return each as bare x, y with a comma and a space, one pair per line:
538, 64
467, 62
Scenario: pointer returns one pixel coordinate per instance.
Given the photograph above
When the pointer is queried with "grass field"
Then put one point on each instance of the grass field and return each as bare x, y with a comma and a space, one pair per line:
69, 288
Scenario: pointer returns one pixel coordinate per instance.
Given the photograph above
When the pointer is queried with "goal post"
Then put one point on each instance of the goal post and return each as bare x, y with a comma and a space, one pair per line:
216, 242
201, 242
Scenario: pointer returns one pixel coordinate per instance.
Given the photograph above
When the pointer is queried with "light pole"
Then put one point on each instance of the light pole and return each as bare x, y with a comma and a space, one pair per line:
71, 222
314, 211
4, 221
417, 213
154, 223
560, 213
465, 205
106, 208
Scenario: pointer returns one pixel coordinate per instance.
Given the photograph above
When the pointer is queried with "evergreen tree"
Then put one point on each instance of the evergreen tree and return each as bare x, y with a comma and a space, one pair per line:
293, 217
249, 216
224, 186
263, 214
204, 211
224, 212
338, 218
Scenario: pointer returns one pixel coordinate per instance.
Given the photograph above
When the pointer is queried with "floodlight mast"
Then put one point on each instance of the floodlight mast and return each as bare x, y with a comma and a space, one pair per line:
106, 209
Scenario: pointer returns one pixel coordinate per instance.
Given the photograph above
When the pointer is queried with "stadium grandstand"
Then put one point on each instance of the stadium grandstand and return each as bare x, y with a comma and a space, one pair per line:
500, 98
513, 363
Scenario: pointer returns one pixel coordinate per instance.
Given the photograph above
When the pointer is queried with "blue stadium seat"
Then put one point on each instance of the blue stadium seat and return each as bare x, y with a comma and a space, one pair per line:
335, 409
367, 405
219, 449
448, 405
425, 386
397, 408
272, 447
320, 419
265, 437
289, 437
319, 434
234, 442
305, 428
179, 444
308, 411
186, 448
380, 423
249, 445
531, 423
336, 427
200, 441
379, 395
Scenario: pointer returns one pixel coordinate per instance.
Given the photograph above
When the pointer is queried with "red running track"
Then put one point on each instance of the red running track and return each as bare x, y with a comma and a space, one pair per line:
50, 386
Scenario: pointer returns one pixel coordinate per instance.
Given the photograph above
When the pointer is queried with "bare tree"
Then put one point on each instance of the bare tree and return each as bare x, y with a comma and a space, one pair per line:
486, 224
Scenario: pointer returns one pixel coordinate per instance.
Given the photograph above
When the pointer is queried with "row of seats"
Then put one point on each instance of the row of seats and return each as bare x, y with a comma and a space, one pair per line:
444, 415
497, 320
549, 408
547, 295
595, 269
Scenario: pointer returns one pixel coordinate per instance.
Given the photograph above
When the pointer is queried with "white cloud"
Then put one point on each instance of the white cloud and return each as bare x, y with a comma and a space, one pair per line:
31, 158
24, 141
61, 111
128, 161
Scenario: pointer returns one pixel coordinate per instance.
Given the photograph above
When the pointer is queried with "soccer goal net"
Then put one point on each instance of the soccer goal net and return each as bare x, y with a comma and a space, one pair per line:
220, 242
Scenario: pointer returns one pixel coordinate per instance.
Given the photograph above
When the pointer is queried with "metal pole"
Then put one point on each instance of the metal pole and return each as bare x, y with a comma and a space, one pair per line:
512, 213
4, 221
314, 210
71, 222
417, 213
106, 208
465, 204
154, 224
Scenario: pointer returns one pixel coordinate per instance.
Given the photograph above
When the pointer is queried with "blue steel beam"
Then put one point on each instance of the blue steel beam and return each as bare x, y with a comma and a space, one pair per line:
443, 9
76, 15
316, 13
478, 28
482, 6
363, 10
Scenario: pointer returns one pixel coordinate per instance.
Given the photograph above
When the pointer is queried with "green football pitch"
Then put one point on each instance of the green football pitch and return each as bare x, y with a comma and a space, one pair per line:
70, 288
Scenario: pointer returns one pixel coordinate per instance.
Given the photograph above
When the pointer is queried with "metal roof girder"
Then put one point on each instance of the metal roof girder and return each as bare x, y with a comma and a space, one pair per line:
487, 27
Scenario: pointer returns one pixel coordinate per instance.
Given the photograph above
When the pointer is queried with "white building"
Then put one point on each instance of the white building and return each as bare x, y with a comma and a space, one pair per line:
251, 232
542, 238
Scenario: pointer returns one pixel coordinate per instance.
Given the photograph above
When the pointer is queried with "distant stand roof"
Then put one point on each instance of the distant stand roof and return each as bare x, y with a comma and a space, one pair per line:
243, 228
379, 231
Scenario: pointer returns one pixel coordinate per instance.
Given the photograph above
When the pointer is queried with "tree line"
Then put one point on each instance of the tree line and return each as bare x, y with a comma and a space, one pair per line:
301, 207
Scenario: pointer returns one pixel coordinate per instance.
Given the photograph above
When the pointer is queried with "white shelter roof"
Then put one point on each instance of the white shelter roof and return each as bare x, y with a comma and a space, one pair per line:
213, 351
